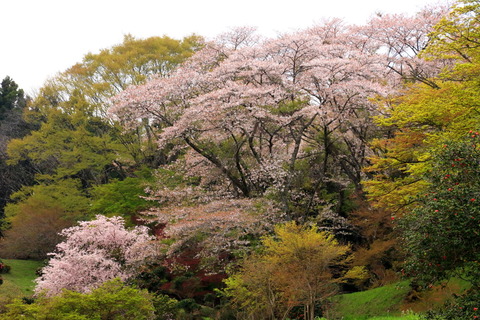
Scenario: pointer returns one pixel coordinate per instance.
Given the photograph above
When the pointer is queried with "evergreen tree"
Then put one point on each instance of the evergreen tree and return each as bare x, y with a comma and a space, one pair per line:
11, 97
12, 125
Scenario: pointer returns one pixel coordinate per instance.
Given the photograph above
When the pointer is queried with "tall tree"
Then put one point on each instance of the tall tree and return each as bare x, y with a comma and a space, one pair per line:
73, 141
101, 75
425, 116
11, 97
296, 268
12, 125
258, 114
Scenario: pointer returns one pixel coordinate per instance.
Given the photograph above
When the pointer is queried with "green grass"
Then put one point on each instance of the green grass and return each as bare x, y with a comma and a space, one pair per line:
20, 278
18, 283
387, 302
437, 296
405, 317
380, 304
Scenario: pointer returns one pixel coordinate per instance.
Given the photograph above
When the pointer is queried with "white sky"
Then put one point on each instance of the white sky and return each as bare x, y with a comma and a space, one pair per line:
39, 38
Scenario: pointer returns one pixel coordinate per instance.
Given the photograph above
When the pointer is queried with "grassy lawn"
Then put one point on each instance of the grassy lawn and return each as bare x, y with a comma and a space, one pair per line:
388, 302
19, 282
405, 317
379, 304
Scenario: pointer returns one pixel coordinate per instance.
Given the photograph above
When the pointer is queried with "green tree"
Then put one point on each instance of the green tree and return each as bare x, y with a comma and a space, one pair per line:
12, 125
299, 266
419, 120
123, 197
441, 235
72, 142
456, 35
11, 97
38, 214
101, 75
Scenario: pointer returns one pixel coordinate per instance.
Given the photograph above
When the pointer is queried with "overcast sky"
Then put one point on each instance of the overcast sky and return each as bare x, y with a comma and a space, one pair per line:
39, 38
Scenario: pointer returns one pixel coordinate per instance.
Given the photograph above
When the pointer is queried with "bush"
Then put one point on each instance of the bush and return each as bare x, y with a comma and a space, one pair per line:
462, 307
125, 198
441, 234
4, 268
113, 300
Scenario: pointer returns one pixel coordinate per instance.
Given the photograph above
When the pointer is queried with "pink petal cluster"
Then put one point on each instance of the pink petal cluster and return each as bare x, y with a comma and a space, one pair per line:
94, 252
225, 224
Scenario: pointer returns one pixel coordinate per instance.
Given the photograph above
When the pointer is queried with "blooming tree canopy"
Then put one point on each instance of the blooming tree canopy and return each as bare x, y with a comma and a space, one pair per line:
254, 112
216, 229
258, 111
94, 252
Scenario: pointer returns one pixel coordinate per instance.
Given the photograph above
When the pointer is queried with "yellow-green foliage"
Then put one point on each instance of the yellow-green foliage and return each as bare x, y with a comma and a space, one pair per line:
71, 141
66, 195
294, 269
113, 300
424, 117
456, 36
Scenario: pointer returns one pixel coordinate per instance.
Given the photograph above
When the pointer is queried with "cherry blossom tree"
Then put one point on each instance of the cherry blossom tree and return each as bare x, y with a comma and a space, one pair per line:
255, 112
402, 38
94, 252
217, 228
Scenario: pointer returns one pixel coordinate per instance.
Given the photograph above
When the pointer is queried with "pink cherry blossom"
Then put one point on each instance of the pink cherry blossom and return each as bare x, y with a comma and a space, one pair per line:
252, 108
94, 252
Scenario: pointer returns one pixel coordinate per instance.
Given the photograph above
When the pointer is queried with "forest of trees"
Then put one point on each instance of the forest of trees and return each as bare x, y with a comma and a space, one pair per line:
246, 177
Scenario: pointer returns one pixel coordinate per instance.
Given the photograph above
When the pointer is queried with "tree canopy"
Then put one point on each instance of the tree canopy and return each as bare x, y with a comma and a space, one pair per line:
424, 116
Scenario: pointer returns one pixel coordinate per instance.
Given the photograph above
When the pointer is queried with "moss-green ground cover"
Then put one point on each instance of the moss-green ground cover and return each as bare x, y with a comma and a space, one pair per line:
19, 281
382, 301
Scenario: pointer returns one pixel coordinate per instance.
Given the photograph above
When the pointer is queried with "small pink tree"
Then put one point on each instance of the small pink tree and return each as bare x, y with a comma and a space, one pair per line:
94, 252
